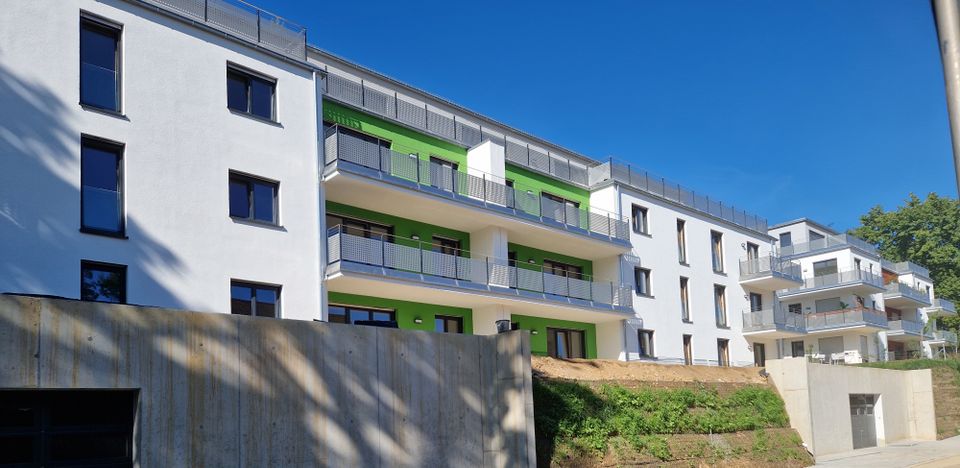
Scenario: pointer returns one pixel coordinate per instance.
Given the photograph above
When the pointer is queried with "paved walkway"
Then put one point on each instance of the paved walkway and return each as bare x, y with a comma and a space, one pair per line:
933, 454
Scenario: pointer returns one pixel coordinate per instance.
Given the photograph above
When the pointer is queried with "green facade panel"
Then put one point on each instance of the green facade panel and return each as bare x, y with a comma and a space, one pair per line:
525, 179
406, 312
402, 227
538, 342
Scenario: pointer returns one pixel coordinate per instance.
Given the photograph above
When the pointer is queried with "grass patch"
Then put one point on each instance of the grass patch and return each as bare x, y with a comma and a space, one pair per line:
952, 363
575, 419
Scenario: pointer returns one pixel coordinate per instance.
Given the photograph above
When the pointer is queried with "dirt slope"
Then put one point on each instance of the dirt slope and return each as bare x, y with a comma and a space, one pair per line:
607, 370
946, 401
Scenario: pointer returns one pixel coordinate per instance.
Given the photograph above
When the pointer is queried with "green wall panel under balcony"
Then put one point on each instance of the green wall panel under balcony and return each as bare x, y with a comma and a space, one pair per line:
538, 342
524, 254
402, 227
528, 180
401, 139
406, 311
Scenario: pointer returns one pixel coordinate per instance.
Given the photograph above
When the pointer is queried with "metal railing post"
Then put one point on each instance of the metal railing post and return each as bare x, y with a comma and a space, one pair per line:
483, 190
205, 10
383, 252
258, 26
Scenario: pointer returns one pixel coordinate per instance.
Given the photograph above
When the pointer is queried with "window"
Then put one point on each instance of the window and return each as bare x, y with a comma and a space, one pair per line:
723, 352
363, 315
642, 278
753, 251
796, 349
563, 269
99, 64
103, 282
785, 239
448, 324
716, 248
566, 344
559, 209
258, 300
720, 305
825, 267
756, 302
645, 338
815, 236
685, 299
759, 355
511, 198
795, 309
443, 174
829, 304
688, 349
359, 227
251, 94
446, 246
857, 266
253, 199
101, 193
67, 427
682, 240
640, 220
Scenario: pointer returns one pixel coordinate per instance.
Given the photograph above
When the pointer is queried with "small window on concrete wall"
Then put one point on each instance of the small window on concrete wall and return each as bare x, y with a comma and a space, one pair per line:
67, 427
103, 282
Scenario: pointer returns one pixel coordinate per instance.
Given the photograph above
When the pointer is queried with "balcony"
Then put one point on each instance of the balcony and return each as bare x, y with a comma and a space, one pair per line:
901, 295
905, 328
769, 273
941, 307
828, 243
407, 269
860, 282
362, 173
846, 318
905, 268
244, 22
773, 323
944, 336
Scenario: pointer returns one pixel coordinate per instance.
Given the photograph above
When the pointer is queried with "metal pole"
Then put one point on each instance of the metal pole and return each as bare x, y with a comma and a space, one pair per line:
947, 16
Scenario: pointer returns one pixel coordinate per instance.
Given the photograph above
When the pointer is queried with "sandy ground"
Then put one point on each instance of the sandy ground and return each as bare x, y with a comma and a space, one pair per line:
608, 370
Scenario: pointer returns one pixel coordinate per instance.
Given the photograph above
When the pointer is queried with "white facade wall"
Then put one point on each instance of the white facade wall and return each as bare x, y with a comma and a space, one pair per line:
180, 143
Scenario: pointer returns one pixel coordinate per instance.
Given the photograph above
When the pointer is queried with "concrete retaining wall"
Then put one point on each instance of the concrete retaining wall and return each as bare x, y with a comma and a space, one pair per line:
817, 400
220, 390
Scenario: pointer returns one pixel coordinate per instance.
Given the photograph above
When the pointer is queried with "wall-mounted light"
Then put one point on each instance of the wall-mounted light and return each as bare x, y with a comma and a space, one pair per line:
534, 332
531, 261
418, 320
415, 237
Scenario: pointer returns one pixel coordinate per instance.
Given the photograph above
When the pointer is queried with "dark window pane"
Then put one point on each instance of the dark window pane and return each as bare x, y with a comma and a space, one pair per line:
439, 325
266, 302
261, 98
16, 415
16, 449
239, 200
381, 316
356, 315
100, 188
98, 66
101, 284
240, 300
101, 209
337, 314
87, 446
99, 167
263, 202
98, 87
98, 46
237, 92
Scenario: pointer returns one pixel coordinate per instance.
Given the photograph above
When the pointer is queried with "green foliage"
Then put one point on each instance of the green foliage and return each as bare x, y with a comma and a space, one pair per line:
926, 232
579, 418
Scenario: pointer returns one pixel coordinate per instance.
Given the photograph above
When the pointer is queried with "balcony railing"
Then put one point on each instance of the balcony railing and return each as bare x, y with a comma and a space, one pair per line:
896, 288
907, 326
663, 188
945, 335
487, 188
769, 265
243, 21
839, 240
409, 255
839, 278
773, 319
846, 318
905, 267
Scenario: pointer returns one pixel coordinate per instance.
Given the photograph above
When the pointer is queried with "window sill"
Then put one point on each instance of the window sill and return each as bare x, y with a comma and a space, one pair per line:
107, 112
255, 223
648, 296
255, 117
687, 321
95, 232
720, 272
723, 327
644, 234
684, 264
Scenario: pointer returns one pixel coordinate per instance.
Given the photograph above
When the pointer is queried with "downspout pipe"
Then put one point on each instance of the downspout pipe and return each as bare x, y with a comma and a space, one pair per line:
947, 17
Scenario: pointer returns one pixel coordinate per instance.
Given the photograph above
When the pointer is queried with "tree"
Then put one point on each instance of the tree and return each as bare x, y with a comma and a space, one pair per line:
926, 232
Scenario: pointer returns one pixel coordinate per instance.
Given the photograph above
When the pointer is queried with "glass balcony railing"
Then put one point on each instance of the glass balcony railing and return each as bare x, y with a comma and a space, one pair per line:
839, 240
769, 265
945, 335
243, 21
905, 268
773, 319
946, 305
906, 326
341, 145
898, 289
846, 318
840, 278
413, 256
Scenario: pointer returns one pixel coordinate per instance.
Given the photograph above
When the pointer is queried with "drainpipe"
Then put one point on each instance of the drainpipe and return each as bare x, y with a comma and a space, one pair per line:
947, 16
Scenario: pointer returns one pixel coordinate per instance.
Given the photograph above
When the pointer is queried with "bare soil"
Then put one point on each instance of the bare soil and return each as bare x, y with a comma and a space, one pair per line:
946, 402
601, 370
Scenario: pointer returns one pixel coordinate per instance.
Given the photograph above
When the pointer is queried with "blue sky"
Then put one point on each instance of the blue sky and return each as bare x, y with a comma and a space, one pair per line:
786, 109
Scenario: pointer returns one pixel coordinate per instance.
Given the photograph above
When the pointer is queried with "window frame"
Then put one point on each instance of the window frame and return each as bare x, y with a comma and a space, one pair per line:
254, 286
369, 310
716, 251
686, 341
643, 229
97, 21
649, 352
250, 181
785, 236
552, 338
720, 306
104, 266
446, 321
723, 352
250, 75
119, 150
682, 241
645, 274
685, 299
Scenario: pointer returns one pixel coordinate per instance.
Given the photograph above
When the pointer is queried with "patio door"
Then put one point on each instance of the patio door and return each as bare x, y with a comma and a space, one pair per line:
759, 355
863, 422
443, 174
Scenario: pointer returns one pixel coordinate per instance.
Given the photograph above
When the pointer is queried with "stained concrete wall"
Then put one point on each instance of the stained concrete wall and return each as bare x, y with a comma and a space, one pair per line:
817, 401
220, 390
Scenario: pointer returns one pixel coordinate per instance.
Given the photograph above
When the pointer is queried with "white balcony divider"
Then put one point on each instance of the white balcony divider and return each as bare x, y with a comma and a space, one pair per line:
402, 254
840, 278
368, 152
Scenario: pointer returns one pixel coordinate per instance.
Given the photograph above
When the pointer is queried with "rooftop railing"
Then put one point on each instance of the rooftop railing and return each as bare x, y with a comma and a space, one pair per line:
245, 22
368, 152
413, 256
839, 240
839, 278
845, 318
773, 319
896, 288
769, 265
905, 267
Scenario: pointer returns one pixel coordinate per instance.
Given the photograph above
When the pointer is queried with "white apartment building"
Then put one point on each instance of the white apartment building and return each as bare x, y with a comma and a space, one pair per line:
199, 154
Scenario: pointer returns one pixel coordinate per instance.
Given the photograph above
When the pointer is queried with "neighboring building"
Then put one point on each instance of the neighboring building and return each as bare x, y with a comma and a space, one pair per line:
201, 155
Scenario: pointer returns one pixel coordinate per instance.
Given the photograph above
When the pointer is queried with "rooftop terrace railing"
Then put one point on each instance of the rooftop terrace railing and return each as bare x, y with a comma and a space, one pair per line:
347, 146
839, 240
769, 265
409, 255
244, 21
905, 267
839, 278
896, 288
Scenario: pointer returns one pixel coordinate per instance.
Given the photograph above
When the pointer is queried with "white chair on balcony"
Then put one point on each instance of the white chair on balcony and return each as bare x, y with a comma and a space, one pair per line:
838, 358
817, 358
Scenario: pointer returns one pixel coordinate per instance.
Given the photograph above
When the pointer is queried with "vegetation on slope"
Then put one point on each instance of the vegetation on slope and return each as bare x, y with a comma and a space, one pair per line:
946, 385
